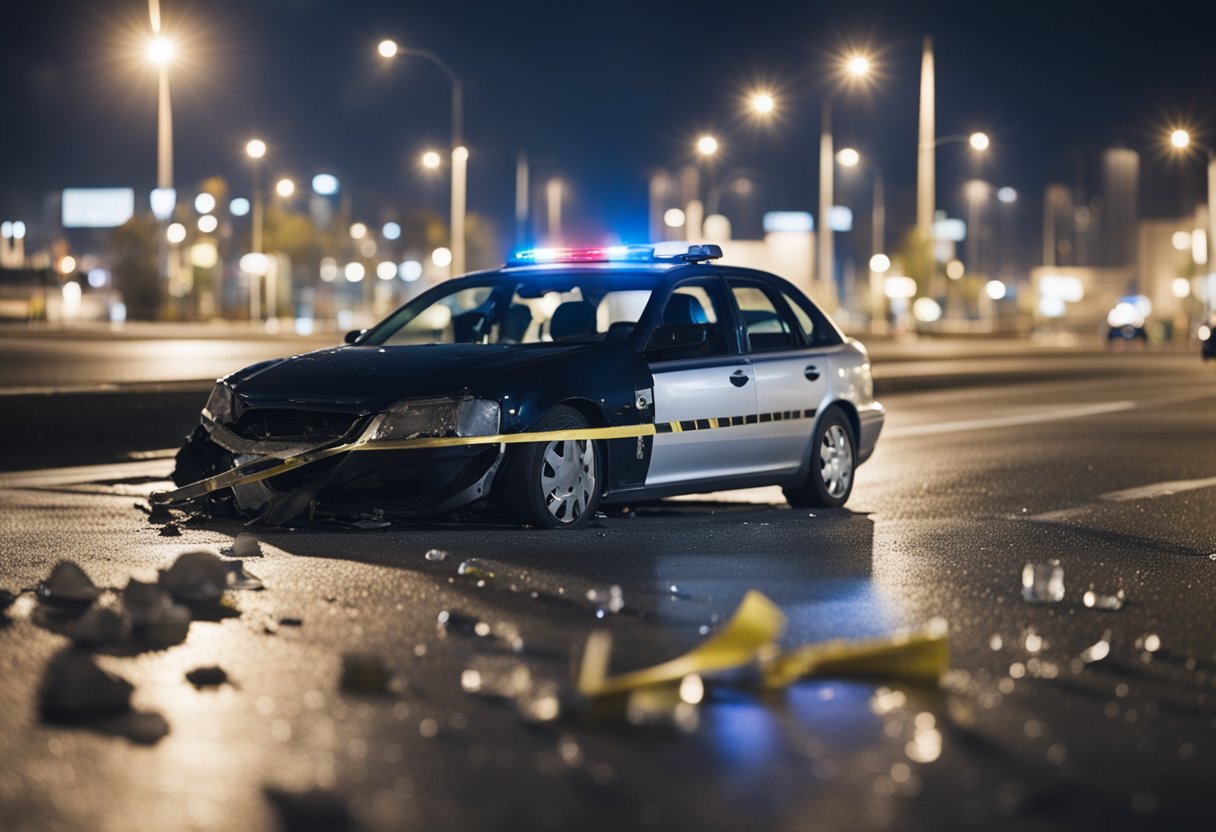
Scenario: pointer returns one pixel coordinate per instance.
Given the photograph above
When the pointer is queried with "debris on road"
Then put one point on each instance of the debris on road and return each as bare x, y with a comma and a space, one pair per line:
68, 584
196, 577
244, 545
6, 600
102, 624
207, 677
170, 530
1043, 583
74, 686
1104, 602
316, 810
474, 568
365, 673
156, 620
436, 555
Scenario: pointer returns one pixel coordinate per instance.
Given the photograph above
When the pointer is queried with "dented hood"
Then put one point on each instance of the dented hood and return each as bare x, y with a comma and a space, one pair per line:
372, 378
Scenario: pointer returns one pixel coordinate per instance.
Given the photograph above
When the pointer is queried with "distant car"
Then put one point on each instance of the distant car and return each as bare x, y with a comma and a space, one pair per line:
729, 378
1125, 322
1207, 339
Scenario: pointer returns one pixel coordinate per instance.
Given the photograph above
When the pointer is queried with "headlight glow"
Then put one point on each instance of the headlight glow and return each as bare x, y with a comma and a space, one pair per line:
437, 417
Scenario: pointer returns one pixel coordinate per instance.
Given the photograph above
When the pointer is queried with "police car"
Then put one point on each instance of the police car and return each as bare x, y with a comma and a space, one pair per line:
565, 380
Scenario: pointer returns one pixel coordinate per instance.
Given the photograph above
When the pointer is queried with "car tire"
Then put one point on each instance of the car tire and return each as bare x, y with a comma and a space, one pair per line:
554, 485
829, 482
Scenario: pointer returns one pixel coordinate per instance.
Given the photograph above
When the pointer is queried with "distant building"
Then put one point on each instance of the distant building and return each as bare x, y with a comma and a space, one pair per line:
1121, 215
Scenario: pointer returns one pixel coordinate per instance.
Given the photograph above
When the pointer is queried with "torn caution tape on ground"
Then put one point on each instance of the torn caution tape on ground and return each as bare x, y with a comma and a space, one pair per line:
270, 466
749, 643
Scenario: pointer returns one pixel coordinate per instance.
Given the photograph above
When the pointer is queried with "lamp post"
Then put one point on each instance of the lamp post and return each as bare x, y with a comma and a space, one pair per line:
161, 52
849, 157
389, 49
856, 68
255, 149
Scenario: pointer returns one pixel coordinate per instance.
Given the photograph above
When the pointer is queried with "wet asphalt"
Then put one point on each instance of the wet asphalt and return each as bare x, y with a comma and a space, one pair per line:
968, 485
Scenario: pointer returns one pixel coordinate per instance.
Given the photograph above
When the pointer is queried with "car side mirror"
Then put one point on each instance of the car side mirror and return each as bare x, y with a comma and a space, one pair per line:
354, 335
677, 341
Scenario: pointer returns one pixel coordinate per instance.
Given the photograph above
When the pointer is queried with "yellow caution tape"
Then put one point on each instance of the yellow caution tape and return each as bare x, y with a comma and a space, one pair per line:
266, 467
749, 639
755, 626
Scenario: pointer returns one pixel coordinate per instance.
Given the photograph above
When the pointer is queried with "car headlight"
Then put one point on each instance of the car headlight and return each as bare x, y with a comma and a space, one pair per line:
220, 405
437, 417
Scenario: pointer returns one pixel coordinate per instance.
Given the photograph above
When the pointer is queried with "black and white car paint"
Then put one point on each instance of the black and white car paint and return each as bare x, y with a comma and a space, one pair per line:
745, 380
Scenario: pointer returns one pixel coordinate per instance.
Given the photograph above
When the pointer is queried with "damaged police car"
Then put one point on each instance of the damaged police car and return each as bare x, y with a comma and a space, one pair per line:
566, 379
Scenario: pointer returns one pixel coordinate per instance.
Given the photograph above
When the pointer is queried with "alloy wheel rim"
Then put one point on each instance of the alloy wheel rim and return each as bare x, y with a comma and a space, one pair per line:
568, 478
836, 461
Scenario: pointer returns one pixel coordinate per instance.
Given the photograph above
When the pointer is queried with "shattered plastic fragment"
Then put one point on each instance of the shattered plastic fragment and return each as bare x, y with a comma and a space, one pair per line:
1104, 602
916, 655
207, 677
245, 545
1097, 651
197, 577
610, 599
365, 673
73, 686
68, 584
102, 624
436, 554
474, 568
1043, 583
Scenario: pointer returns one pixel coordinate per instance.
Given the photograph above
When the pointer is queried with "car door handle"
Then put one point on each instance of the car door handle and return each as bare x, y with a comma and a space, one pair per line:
811, 373
739, 378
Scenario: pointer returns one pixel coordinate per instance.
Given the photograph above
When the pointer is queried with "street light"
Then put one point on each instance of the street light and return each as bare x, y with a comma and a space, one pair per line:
707, 146
851, 158
255, 149
762, 103
856, 68
1180, 139
431, 160
285, 188
390, 49
978, 141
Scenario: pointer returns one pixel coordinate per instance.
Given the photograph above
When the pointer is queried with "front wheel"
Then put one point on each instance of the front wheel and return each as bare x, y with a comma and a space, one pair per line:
833, 459
554, 485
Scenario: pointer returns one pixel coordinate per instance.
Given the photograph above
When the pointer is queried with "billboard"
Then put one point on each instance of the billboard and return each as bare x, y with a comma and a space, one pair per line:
97, 207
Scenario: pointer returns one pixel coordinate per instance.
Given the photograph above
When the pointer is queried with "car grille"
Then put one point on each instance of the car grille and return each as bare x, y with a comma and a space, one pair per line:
281, 425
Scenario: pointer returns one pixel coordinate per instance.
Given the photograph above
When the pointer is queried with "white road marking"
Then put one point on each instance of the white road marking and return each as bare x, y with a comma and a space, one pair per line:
1054, 414
51, 477
1144, 492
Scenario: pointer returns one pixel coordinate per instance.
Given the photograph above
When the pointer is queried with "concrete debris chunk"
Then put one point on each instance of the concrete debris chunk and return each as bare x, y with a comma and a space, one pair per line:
196, 577
103, 623
68, 584
317, 810
74, 686
145, 603
170, 628
207, 677
245, 545
365, 673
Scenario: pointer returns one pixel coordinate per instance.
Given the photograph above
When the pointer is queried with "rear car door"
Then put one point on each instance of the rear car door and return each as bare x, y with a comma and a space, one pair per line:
697, 388
791, 377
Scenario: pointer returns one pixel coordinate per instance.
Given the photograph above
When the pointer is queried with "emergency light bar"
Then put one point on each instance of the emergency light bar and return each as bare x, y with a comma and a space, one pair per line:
614, 254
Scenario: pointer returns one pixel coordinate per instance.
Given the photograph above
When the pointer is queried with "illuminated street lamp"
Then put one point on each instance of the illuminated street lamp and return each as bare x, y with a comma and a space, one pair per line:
431, 160
1180, 139
707, 146
978, 141
762, 103
285, 188
390, 49
850, 158
255, 149
857, 68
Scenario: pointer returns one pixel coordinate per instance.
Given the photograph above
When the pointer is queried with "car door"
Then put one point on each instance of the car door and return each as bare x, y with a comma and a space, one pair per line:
700, 390
791, 377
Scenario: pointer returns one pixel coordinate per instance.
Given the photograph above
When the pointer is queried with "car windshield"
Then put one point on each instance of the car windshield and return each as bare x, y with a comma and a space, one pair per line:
523, 308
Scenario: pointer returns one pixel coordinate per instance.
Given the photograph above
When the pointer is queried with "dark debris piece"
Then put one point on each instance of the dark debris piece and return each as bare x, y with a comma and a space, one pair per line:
207, 677
317, 810
6, 599
74, 686
170, 530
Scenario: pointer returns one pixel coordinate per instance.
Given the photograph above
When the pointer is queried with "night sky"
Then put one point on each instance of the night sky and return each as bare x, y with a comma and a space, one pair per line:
600, 94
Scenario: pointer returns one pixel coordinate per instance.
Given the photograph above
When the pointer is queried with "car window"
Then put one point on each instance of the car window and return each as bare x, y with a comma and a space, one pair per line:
768, 328
698, 302
805, 323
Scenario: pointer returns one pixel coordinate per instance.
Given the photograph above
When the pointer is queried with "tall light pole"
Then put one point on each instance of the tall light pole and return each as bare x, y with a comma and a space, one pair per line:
850, 158
255, 149
856, 68
926, 195
161, 51
389, 49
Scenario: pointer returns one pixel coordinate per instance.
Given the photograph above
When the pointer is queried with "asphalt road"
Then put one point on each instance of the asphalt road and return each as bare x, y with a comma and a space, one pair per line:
1109, 470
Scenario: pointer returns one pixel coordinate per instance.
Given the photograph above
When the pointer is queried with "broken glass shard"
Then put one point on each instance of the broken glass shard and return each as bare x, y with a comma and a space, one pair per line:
1043, 583
436, 554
